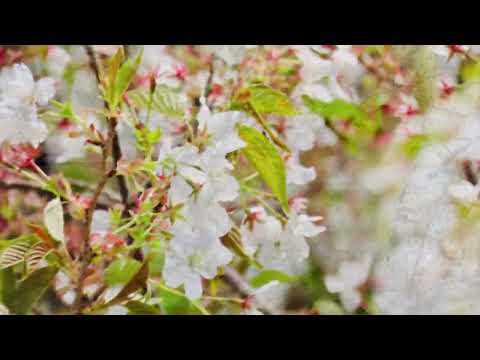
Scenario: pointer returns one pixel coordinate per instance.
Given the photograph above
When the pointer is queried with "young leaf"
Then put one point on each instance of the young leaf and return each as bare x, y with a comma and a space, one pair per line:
7, 285
29, 291
265, 99
121, 271
174, 302
14, 254
267, 161
339, 110
53, 219
164, 101
35, 255
139, 308
124, 77
135, 283
268, 276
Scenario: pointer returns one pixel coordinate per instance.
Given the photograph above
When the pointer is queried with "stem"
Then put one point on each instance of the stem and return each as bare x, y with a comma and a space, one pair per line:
237, 282
111, 149
112, 123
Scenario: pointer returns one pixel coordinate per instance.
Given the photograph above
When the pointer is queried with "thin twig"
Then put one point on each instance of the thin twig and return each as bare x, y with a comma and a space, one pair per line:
117, 151
239, 284
44, 193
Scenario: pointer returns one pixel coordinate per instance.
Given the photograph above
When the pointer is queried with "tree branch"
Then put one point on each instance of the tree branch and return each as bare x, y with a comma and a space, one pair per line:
239, 284
116, 150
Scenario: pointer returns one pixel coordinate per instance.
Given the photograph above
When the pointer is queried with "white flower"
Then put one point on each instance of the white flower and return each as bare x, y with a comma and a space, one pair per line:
299, 133
17, 85
297, 173
261, 297
464, 191
19, 96
349, 277
218, 184
222, 129
314, 67
266, 227
409, 278
184, 158
21, 125
346, 65
231, 54
207, 216
179, 191
191, 255
280, 248
63, 148
57, 60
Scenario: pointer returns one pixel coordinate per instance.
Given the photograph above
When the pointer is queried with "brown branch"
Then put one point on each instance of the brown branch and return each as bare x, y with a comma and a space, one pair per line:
239, 284
44, 193
117, 151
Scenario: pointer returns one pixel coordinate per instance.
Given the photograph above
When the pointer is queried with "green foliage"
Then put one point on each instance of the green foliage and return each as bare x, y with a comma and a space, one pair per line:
414, 144
7, 285
340, 110
267, 161
21, 297
14, 254
469, 71
265, 99
328, 307
164, 101
147, 138
140, 308
137, 281
53, 219
121, 271
120, 77
79, 170
59, 112
268, 276
173, 302
156, 257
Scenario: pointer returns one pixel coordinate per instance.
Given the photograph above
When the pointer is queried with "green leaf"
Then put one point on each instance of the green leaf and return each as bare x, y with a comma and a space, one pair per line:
470, 70
156, 257
139, 308
164, 101
29, 291
7, 285
268, 276
265, 99
267, 161
340, 110
125, 76
121, 271
119, 77
415, 143
174, 302
14, 254
53, 219
328, 307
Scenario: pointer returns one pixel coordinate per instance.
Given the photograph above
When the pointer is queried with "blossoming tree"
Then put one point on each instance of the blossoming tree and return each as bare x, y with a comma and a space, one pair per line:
194, 179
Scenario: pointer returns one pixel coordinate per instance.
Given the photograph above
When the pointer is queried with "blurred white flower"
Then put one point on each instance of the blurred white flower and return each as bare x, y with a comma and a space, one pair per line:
19, 96
464, 191
350, 276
